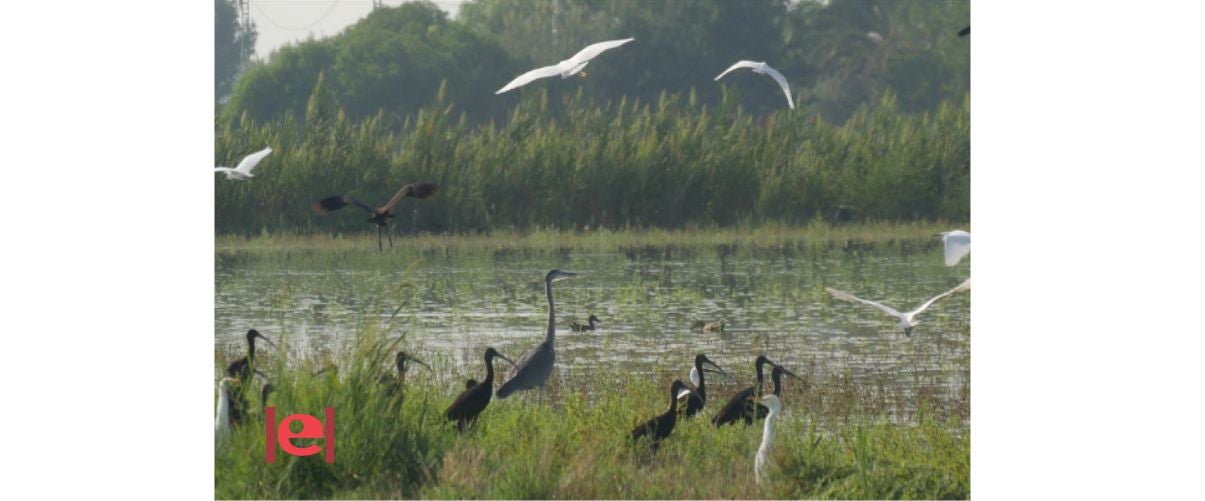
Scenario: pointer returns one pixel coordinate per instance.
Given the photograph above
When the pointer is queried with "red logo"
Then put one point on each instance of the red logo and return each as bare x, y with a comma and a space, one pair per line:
311, 427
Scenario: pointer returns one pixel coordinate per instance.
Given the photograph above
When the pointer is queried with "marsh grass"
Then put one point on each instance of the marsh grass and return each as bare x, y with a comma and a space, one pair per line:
843, 435
578, 162
837, 439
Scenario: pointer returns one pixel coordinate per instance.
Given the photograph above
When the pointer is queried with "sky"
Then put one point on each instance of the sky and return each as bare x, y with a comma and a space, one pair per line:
279, 22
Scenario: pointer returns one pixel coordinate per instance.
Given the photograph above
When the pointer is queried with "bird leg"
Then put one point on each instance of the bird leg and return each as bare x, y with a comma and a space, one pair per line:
390, 234
380, 247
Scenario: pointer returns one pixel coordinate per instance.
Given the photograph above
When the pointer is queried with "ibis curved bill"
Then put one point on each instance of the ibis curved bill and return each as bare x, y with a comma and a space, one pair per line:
243, 171
907, 319
566, 68
762, 68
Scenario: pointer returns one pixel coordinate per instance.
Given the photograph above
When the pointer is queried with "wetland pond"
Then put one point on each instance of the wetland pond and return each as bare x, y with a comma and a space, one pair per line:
453, 301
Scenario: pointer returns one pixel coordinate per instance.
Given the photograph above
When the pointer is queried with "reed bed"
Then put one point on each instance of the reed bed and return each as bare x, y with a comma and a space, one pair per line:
577, 164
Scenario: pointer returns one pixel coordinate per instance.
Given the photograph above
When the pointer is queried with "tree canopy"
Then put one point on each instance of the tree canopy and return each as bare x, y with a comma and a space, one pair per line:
837, 55
233, 44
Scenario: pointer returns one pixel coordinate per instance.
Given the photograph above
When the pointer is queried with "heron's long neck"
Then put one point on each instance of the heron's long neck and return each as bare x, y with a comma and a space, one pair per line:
777, 384
250, 349
702, 378
673, 402
551, 335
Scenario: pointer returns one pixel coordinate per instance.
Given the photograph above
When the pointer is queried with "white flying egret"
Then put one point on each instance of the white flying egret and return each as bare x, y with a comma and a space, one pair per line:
958, 244
762, 68
908, 319
566, 68
767, 438
243, 171
221, 424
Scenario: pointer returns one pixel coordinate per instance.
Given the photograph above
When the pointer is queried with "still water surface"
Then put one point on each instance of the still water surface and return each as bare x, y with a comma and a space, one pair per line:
772, 300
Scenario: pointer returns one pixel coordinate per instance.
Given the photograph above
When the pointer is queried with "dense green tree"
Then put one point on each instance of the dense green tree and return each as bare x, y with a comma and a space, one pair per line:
838, 55
393, 61
854, 50
233, 44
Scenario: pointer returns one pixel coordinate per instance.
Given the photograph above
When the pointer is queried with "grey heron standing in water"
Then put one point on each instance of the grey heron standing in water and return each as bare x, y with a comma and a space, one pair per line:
532, 369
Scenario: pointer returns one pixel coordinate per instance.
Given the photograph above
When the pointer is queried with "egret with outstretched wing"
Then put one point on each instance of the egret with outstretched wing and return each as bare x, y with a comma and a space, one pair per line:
761, 68
243, 171
907, 319
566, 68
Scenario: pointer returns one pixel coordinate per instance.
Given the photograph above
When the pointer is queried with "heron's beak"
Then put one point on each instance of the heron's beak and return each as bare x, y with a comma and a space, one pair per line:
564, 275
499, 355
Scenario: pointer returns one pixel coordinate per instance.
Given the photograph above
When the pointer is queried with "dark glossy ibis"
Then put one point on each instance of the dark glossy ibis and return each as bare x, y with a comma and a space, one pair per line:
475, 397
379, 216
394, 384
662, 425
696, 396
533, 368
244, 366
243, 370
264, 393
580, 327
739, 407
776, 377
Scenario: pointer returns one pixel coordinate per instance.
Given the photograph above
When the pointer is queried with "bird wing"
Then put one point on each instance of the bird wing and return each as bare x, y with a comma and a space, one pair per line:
359, 204
397, 197
593, 50
958, 244
850, 297
250, 161
739, 64
526, 78
964, 286
782, 82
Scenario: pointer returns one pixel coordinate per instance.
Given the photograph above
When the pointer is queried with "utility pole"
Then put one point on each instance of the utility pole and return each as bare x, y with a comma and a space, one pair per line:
244, 21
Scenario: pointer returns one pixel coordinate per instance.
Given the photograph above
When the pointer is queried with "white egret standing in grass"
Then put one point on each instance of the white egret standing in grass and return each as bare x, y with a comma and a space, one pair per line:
761, 68
957, 243
221, 424
243, 171
767, 438
907, 319
566, 68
